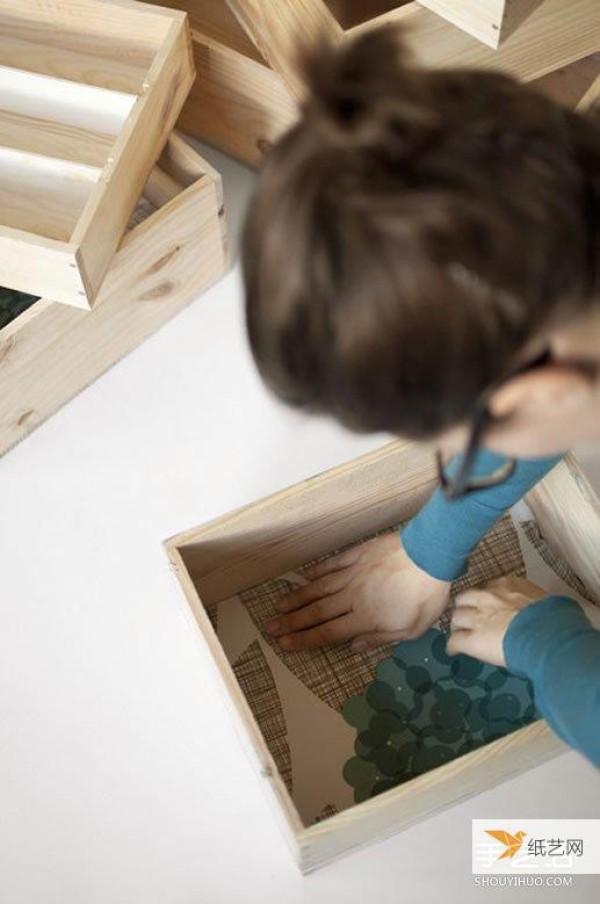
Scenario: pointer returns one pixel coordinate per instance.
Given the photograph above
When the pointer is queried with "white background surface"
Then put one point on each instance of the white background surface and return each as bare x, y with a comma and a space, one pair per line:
121, 777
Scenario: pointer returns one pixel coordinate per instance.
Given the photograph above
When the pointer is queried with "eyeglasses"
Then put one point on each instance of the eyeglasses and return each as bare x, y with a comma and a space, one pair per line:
461, 483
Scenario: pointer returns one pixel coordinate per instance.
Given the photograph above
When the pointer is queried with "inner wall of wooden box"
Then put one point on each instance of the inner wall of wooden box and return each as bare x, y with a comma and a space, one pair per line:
168, 179
70, 75
212, 19
354, 12
307, 522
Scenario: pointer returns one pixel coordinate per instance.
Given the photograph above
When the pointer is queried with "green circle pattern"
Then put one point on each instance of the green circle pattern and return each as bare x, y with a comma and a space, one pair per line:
12, 304
426, 708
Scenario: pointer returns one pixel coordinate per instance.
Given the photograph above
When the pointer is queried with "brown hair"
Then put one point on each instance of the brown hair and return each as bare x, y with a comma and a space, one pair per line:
412, 233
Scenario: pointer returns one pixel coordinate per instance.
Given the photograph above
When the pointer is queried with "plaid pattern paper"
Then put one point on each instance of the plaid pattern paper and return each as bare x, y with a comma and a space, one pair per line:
257, 684
335, 673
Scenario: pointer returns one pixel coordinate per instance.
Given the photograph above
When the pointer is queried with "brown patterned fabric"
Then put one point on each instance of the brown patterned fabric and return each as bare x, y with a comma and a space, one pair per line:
256, 681
335, 673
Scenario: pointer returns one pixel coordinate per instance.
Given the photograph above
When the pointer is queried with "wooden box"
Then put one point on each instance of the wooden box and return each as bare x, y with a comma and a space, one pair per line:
325, 513
51, 351
553, 34
237, 103
89, 93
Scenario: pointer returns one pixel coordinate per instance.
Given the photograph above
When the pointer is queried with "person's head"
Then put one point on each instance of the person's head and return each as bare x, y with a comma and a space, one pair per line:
419, 236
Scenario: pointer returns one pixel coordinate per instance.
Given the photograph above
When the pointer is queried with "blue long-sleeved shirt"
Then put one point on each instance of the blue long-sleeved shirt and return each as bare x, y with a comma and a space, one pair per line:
551, 642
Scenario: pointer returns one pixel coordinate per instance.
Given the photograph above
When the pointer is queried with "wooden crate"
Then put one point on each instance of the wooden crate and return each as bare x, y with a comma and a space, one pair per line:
89, 93
51, 351
325, 513
553, 34
237, 103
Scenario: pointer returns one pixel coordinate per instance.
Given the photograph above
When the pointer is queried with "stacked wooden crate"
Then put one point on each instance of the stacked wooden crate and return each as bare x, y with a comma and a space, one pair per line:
89, 93
245, 52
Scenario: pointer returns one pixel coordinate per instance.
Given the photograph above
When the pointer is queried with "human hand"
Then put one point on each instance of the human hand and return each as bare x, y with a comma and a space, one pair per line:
370, 594
482, 616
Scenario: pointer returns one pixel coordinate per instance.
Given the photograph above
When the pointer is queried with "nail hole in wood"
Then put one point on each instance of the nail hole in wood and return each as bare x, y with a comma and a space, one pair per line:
24, 417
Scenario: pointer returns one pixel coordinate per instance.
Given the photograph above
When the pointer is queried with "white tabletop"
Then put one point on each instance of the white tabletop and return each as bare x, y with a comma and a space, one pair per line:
122, 779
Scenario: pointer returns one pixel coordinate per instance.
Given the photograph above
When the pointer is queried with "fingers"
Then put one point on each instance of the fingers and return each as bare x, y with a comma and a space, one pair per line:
312, 614
510, 585
332, 564
461, 640
316, 590
501, 593
335, 631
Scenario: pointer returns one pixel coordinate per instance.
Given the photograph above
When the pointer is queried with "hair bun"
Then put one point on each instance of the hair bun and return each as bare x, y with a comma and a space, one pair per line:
366, 94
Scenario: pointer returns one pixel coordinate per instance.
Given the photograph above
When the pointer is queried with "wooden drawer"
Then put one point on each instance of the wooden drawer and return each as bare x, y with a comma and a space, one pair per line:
51, 351
89, 93
307, 521
237, 103
551, 35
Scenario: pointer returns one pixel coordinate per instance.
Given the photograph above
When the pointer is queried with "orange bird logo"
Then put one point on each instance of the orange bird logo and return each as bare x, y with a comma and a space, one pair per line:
512, 843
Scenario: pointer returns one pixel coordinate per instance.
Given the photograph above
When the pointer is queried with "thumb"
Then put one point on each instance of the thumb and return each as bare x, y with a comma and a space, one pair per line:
461, 640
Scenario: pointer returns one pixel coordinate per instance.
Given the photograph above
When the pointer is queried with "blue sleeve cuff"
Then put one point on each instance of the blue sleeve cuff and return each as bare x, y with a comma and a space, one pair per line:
553, 643
533, 631
442, 536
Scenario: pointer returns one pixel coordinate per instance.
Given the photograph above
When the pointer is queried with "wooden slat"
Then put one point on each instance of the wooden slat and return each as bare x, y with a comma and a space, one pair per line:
236, 103
118, 74
26, 133
111, 29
